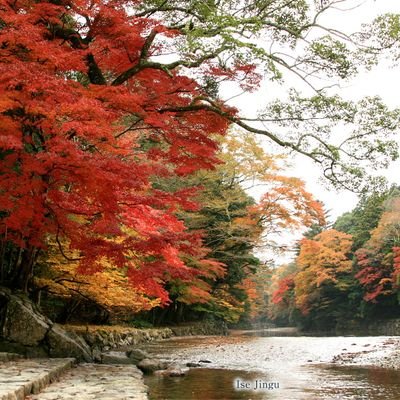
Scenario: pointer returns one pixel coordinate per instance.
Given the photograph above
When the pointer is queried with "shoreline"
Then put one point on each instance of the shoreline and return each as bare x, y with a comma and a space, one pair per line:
385, 356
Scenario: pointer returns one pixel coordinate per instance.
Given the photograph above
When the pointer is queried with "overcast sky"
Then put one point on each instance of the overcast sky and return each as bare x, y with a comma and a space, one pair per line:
382, 81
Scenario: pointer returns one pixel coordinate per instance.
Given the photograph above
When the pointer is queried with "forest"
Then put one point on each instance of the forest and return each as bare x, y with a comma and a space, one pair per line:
345, 272
125, 168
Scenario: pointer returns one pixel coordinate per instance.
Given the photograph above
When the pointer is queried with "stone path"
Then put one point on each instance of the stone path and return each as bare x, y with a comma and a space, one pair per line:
21, 377
97, 382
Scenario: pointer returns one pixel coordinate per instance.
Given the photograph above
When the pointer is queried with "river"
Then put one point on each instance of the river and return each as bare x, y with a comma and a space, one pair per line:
267, 365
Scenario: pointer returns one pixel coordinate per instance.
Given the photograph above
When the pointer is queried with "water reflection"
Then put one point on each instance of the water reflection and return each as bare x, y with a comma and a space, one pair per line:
204, 384
358, 383
318, 383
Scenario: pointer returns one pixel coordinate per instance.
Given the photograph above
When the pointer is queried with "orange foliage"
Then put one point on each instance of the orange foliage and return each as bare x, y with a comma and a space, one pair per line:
320, 261
288, 205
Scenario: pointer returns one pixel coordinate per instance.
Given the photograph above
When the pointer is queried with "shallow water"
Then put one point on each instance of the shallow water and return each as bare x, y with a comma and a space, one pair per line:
285, 368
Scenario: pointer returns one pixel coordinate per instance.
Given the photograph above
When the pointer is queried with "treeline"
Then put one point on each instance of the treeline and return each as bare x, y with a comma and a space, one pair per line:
118, 191
224, 225
345, 273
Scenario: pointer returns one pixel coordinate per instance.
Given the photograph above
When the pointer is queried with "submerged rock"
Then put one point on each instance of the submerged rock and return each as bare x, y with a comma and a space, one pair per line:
173, 371
177, 371
149, 365
193, 365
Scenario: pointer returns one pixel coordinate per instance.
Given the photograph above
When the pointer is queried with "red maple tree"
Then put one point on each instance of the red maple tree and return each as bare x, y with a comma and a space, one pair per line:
373, 275
88, 119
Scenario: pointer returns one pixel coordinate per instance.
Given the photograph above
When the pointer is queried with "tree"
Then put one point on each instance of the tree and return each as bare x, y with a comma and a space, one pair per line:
104, 296
282, 300
323, 279
91, 111
365, 217
378, 259
234, 225
74, 115
231, 41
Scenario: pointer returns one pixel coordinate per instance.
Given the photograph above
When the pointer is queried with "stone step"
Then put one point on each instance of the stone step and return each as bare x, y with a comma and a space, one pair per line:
21, 377
97, 382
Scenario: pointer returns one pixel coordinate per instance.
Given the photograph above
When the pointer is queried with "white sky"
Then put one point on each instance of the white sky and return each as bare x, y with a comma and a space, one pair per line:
383, 81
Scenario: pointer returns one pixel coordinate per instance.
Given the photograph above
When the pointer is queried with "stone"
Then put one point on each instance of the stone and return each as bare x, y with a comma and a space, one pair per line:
4, 356
176, 371
137, 355
23, 324
149, 365
25, 330
62, 344
115, 357
193, 365
96, 381
22, 377
96, 354
173, 371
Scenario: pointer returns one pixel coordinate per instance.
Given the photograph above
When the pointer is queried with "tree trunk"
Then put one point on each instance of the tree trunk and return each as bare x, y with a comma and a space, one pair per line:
24, 271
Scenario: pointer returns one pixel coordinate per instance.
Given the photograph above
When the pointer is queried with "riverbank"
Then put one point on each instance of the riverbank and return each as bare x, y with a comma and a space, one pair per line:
298, 363
115, 337
63, 379
384, 355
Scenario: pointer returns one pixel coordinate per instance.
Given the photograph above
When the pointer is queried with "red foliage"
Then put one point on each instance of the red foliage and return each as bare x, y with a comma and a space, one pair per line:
396, 266
246, 74
374, 275
285, 285
80, 142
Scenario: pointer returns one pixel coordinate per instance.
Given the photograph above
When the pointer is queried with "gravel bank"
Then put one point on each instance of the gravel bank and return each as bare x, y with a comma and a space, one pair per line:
382, 355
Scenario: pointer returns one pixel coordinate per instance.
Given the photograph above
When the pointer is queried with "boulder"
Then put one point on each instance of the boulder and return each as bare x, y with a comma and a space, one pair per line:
25, 330
62, 344
177, 370
149, 365
137, 355
23, 324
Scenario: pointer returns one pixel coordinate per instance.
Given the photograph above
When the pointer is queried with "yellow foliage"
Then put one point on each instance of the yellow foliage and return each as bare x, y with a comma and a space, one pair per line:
320, 261
109, 287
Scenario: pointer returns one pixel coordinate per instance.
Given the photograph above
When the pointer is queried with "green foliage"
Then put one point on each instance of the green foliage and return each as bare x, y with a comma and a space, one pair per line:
141, 323
365, 217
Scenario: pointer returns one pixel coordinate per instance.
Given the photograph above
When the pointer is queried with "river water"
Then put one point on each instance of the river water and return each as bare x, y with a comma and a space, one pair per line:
263, 366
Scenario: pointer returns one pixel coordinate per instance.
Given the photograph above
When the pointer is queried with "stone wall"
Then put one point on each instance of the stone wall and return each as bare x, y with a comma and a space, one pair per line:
389, 327
25, 330
201, 328
105, 338
386, 327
